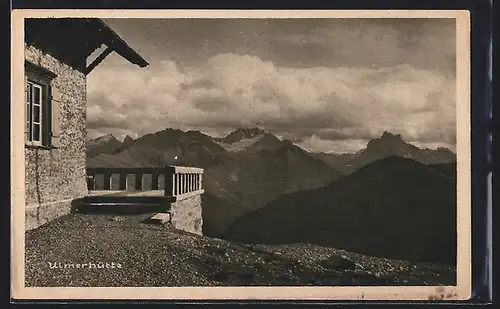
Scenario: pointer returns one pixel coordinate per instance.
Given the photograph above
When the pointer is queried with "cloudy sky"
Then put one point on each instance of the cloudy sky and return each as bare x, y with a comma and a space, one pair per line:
327, 84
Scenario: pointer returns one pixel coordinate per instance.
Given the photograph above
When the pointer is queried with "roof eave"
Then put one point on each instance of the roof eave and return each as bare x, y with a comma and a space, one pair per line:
120, 46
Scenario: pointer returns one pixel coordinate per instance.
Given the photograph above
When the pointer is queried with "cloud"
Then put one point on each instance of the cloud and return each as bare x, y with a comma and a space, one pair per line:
424, 43
322, 107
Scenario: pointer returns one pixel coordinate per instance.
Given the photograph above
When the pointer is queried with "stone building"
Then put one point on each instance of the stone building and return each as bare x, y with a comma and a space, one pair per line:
56, 54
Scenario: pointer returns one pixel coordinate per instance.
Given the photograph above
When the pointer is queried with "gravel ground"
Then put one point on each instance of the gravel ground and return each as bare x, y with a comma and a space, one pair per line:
139, 253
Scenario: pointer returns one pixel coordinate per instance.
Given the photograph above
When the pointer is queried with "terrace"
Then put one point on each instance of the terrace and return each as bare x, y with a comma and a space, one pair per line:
172, 191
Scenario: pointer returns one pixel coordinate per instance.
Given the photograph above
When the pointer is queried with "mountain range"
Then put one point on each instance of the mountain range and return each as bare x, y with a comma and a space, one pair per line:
387, 144
251, 169
235, 182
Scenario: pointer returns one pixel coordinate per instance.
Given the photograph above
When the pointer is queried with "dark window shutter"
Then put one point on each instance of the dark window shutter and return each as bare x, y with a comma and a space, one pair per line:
56, 116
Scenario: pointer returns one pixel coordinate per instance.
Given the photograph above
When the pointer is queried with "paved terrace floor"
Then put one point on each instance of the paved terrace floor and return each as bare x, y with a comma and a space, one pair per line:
158, 255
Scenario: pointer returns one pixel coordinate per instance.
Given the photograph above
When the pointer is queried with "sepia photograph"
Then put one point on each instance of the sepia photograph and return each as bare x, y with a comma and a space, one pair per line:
241, 155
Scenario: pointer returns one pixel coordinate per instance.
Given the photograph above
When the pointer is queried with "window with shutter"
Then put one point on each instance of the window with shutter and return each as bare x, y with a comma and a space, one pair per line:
39, 107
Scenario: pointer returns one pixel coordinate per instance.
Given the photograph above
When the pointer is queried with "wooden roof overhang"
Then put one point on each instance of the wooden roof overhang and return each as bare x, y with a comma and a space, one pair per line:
72, 40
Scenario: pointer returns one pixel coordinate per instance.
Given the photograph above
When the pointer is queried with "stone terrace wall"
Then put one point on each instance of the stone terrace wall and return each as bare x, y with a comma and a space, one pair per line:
56, 176
187, 215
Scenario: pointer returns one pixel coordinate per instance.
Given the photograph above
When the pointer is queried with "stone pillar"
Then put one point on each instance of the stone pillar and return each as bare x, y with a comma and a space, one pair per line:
169, 181
154, 181
107, 181
138, 181
123, 181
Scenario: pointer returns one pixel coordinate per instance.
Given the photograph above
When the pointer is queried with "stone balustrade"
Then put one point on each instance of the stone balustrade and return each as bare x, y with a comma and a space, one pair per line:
174, 180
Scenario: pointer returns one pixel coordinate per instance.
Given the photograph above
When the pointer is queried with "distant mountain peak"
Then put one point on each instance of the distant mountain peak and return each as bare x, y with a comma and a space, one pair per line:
243, 133
105, 138
128, 138
127, 141
387, 135
250, 131
387, 140
103, 144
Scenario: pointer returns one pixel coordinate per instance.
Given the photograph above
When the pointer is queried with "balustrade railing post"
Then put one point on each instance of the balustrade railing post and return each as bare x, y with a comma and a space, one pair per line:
138, 181
90, 181
178, 183
175, 184
169, 181
107, 181
154, 180
123, 181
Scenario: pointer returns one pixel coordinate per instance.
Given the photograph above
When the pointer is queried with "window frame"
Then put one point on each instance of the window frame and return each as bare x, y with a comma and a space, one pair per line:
39, 78
30, 106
